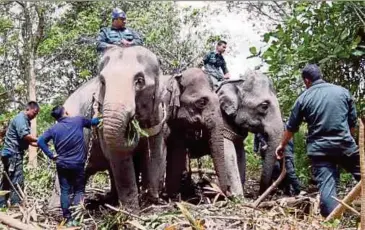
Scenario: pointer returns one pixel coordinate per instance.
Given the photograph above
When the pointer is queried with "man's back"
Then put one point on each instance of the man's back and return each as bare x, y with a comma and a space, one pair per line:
328, 110
68, 138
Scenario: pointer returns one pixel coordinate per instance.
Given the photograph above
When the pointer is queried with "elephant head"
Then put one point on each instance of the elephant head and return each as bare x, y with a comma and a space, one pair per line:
193, 105
250, 103
128, 77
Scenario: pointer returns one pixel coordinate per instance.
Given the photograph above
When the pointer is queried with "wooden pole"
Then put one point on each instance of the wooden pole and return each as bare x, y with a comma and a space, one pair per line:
362, 169
353, 194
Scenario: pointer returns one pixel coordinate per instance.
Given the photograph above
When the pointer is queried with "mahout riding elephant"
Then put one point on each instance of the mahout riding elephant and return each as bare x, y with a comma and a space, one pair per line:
126, 89
249, 104
195, 127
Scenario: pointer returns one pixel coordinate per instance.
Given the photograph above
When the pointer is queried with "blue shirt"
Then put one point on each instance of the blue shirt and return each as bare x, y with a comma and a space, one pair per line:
330, 112
18, 128
68, 138
213, 62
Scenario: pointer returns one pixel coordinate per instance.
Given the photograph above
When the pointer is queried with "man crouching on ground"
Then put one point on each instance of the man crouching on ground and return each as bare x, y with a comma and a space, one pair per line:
68, 138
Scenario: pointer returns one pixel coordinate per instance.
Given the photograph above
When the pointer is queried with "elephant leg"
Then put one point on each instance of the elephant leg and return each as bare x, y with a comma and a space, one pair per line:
54, 202
241, 161
154, 162
137, 161
124, 177
230, 160
176, 164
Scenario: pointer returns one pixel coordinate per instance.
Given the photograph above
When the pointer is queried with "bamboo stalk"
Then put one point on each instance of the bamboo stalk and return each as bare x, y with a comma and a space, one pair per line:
362, 169
347, 206
351, 196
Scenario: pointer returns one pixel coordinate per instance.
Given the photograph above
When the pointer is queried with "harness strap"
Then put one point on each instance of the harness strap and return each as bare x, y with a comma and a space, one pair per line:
232, 136
154, 130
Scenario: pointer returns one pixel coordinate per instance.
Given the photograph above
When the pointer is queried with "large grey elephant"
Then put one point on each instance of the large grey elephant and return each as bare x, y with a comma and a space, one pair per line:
196, 126
126, 88
249, 104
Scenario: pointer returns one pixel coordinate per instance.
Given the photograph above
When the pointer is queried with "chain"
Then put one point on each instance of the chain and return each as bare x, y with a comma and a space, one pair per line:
92, 134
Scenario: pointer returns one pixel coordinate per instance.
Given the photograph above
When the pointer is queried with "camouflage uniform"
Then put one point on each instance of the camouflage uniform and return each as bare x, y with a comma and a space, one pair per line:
213, 62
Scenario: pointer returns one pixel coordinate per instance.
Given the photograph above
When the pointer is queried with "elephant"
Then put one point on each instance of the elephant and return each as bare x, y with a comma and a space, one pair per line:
127, 87
195, 126
249, 104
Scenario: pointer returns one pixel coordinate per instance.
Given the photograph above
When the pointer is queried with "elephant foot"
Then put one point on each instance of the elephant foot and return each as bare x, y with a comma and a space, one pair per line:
111, 198
148, 200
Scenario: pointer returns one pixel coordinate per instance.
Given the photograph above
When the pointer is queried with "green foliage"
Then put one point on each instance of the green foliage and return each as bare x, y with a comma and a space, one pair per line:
302, 166
253, 164
326, 33
44, 118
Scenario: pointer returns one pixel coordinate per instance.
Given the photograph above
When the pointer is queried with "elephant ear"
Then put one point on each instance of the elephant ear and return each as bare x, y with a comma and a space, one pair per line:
174, 92
228, 99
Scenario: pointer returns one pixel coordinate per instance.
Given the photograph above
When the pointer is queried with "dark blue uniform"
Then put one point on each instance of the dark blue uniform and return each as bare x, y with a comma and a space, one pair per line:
12, 156
330, 113
110, 35
213, 64
68, 139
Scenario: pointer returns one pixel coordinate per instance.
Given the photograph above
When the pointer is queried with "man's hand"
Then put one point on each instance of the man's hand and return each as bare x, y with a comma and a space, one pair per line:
125, 42
280, 152
34, 144
227, 76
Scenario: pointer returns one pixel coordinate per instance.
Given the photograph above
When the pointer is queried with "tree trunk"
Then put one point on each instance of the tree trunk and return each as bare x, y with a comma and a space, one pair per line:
362, 168
32, 97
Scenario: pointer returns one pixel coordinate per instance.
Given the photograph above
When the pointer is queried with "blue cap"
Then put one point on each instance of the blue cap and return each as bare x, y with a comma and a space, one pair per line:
118, 13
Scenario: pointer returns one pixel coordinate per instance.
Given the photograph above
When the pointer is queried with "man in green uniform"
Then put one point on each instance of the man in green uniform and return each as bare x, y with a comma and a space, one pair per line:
330, 113
117, 34
17, 140
215, 65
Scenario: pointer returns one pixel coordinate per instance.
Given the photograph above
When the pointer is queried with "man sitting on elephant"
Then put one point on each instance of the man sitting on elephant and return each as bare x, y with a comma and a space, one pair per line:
290, 185
214, 62
68, 139
117, 34
330, 113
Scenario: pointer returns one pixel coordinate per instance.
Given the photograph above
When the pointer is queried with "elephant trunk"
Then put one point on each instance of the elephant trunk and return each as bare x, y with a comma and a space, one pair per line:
216, 143
274, 131
118, 110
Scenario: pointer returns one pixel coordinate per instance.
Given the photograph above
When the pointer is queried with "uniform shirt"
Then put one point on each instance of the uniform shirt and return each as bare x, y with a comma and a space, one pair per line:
68, 138
330, 113
110, 35
213, 62
18, 128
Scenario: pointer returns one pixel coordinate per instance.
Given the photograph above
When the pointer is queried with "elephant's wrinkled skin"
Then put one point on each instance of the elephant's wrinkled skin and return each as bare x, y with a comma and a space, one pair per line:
195, 123
250, 105
127, 87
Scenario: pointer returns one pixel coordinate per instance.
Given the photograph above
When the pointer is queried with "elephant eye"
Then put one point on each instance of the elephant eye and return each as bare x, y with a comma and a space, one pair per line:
139, 80
202, 102
263, 107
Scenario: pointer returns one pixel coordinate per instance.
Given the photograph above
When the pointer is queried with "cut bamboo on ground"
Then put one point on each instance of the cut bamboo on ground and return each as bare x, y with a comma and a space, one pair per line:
356, 191
362, 168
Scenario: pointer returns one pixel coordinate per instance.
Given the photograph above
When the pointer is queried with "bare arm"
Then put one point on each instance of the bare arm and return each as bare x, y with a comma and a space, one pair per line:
29, 138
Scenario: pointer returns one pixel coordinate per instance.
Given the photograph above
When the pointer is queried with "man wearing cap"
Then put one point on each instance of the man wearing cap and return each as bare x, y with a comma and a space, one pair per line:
68, 138
117, 34
215, 65
17, 140
330, 113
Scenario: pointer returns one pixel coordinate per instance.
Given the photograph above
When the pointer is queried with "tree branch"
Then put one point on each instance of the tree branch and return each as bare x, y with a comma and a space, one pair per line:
40, 28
